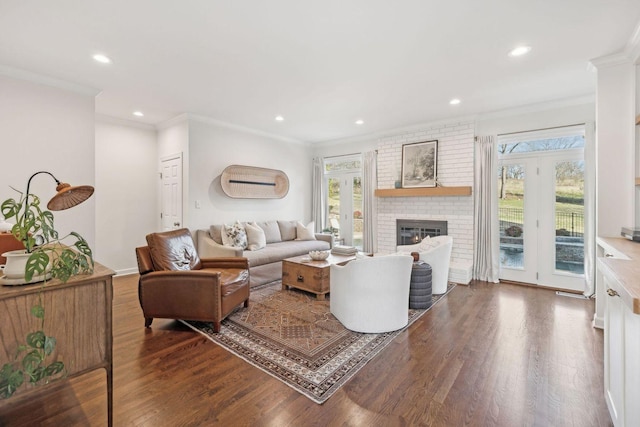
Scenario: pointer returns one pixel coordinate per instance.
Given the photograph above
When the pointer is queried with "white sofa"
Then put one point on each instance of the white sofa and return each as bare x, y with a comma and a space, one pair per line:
265, 264
435, 251
371, 294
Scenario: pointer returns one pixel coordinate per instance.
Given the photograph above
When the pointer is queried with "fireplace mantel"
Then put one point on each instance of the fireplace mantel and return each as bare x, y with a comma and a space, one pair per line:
423, 192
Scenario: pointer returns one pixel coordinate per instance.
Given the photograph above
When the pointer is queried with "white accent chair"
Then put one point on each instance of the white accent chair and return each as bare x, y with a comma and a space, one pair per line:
435, 251
371, 294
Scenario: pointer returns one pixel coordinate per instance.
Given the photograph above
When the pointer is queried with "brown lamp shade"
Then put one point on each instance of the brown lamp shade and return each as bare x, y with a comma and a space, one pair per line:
68, 196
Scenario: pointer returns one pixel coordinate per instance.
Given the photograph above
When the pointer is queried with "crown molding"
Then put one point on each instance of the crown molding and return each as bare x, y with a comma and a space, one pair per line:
396, 131
619, 58
16, 73
496, 114
630, 54
537, 107
633, 45
102, 118
215, 122
172, 122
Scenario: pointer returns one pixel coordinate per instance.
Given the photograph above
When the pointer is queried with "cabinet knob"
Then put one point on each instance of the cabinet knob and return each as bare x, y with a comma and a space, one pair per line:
608, 255
612, 293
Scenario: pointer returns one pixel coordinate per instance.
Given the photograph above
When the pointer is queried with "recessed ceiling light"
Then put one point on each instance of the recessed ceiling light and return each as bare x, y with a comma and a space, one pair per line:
359, 121
102, 58
520, 50
279, 118
138, 113
454, 101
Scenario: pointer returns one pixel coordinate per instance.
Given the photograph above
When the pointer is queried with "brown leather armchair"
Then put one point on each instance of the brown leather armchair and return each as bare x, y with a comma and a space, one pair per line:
176, 284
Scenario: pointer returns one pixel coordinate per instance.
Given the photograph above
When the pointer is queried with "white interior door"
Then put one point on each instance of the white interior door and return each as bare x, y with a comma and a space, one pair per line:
171, 176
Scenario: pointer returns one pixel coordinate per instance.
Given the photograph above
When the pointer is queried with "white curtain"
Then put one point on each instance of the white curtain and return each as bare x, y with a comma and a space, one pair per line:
318, 196
369, 214
486, 230
589, 208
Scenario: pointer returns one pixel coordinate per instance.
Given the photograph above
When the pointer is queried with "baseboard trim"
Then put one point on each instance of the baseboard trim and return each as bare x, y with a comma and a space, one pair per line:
533, 285
126, 271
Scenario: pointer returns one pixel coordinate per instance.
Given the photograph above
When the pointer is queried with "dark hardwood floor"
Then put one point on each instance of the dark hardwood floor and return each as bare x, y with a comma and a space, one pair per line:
486, 355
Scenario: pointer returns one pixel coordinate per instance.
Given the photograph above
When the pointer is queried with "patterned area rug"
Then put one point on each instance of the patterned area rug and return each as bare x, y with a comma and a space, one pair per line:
293, 337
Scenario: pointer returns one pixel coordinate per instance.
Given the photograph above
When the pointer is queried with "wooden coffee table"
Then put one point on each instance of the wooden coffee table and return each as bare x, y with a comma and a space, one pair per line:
312, 276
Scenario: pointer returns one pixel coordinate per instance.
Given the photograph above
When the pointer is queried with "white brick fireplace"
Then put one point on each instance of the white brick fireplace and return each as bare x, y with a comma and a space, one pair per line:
454, 168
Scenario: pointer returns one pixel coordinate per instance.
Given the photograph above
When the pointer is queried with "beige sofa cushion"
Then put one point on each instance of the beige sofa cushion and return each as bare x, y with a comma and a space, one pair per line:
256, 238
271, 231
287, 230
305, 232
216, 233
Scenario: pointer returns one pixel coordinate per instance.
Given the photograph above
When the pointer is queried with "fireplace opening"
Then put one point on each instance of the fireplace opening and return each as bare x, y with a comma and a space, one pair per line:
411, 231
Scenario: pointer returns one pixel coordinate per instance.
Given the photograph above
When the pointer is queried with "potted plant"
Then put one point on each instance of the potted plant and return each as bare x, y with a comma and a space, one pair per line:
45, 256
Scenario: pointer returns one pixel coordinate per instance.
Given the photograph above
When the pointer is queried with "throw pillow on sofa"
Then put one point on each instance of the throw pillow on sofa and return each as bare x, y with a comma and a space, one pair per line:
271, 231
234, 236
305, 232
256, 238
287, 230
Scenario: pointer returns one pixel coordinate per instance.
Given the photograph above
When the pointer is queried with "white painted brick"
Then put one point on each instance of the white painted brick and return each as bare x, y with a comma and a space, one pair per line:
455, 167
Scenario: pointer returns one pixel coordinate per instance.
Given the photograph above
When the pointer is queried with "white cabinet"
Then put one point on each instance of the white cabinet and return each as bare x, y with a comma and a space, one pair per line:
620, 279
614, 371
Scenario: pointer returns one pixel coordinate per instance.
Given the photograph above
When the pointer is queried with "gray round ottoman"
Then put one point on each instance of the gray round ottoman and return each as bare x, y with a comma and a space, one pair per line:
420, 289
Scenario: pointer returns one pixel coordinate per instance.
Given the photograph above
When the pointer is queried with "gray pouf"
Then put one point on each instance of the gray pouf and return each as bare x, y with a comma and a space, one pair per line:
420, 296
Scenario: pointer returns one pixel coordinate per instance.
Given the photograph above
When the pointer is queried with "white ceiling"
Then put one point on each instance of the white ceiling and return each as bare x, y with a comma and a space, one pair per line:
320, 64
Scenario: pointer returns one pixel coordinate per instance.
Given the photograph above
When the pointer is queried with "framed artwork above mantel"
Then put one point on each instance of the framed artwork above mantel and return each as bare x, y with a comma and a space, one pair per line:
419, 164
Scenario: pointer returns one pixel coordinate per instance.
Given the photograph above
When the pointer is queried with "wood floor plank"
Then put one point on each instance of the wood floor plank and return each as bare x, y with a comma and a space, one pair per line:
487, 354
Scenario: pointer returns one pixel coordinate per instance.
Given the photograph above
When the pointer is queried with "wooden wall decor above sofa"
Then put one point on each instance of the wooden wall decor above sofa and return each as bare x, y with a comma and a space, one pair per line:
249, 182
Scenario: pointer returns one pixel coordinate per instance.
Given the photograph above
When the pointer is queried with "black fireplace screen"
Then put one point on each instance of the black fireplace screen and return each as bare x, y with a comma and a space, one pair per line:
411, 231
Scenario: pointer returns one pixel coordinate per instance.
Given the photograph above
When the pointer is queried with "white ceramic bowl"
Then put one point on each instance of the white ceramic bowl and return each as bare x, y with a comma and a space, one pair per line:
319, 255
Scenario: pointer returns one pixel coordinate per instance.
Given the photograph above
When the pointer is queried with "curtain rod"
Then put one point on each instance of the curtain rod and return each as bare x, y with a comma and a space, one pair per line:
537, 130
343, 155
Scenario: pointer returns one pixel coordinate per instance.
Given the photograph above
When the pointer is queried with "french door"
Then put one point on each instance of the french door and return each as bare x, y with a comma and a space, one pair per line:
541, 215
343, 179
345, 208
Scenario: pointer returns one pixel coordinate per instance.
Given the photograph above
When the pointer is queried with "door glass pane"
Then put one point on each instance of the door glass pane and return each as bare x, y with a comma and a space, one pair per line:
569, 216
546, 144
358, 225
511, 215
334, 206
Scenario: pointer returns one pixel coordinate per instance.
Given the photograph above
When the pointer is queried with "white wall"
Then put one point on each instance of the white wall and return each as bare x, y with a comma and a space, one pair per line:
213, 147
615, 141
126, 191
50, 129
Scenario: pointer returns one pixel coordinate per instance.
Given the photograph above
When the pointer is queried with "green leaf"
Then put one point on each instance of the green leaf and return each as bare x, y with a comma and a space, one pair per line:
10, 379
49, 345
38, 311
54, 368
31, 361
35, 200
36, 339
10, 208
36, 265
37, 374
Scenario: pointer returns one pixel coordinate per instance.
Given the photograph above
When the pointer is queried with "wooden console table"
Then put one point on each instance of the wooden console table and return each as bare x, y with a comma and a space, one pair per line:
77, 313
